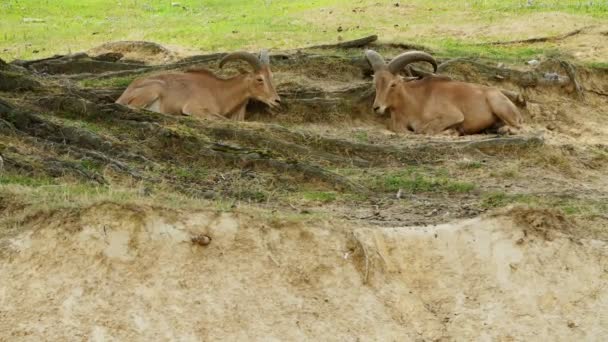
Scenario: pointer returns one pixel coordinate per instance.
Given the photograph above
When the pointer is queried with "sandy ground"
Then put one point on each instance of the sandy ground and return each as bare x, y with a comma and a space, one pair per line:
111, 273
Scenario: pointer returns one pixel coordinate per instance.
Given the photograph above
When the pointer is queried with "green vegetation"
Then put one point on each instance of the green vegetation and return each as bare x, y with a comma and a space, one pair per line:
319, 196
501, 199
190, 173
30, 28
453, 48
414, 180
22, 180
471, 165
569, 205
117, 82
361, 137
46, 193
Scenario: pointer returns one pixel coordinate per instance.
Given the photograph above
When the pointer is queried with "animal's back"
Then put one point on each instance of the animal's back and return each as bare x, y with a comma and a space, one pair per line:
164, 93
150, 86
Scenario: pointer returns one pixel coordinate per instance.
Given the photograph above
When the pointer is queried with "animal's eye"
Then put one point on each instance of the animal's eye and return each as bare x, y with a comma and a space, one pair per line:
393, 85
261, 80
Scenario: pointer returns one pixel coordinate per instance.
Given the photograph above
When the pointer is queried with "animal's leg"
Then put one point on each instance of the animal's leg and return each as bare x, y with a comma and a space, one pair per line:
442, 122
201, 112
507, 130
504, 109
450, 132
239, 114
143, 98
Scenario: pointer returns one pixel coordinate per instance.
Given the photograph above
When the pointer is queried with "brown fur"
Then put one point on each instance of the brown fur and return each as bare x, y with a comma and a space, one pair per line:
436, 104
201, 93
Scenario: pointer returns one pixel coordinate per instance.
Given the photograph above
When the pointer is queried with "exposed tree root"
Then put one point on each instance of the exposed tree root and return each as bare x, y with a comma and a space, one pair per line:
49, 166
540, 39
355, 43
170, 144
571, 71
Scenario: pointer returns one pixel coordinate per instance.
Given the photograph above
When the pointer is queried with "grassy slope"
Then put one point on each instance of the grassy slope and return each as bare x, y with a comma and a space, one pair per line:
282, 24
73, 25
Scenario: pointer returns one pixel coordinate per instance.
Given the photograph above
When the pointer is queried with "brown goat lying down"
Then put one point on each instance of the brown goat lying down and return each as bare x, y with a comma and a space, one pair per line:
202, 94
435, 104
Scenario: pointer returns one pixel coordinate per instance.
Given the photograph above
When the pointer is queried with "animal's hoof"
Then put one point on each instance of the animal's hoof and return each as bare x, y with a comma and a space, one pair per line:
507, 130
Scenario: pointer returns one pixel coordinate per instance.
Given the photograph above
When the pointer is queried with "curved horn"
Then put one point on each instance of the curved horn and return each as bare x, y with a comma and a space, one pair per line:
375, 60
264, 58
399, 62
246, 56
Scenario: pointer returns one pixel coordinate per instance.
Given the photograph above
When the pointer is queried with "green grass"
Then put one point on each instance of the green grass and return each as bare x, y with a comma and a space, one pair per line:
453, 48
413, 180
190, 173
116, 82
594, 8
501, 199
598, 65
12, 179
471, 165
319, 196
361, 137
212, 25
570, 206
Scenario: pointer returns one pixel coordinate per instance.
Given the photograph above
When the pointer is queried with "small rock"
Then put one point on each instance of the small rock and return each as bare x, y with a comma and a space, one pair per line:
175, 4
396, 4
551, 76
396, 25
551, 127
500, 65
533, 62
201, 240
432, 213
572, 325
340, 29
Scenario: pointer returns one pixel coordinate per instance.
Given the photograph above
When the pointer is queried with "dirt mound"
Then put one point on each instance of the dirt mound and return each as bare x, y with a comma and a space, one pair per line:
141, 51
127, 273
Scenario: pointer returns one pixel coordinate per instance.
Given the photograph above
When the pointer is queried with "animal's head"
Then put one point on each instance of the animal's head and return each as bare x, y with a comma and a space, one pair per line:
259, 82
387, 79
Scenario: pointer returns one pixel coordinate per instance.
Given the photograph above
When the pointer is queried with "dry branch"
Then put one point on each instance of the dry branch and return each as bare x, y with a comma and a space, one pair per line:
540, 39
356, 43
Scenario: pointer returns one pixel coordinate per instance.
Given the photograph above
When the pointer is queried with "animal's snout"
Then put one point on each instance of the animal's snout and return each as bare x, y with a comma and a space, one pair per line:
380, 110
274, 102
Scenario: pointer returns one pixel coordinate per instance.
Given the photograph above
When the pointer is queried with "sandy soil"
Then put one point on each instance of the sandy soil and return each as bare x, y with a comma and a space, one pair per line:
133, 274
